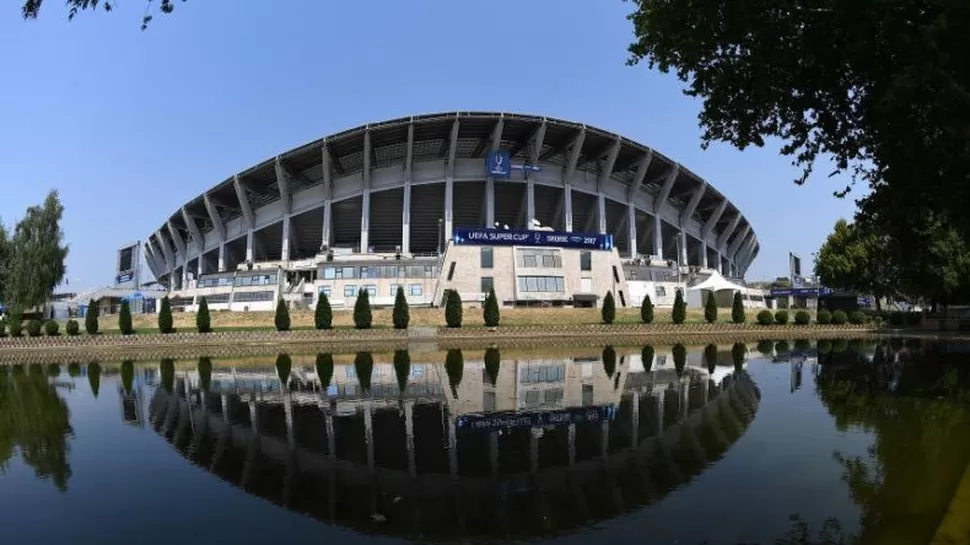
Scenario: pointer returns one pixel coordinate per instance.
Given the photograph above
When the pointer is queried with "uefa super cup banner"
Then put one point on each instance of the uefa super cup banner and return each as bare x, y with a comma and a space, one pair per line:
481, 236
562, 417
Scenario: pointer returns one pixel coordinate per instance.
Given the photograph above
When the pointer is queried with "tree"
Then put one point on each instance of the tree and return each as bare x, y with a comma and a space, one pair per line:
855, 258
203, 324
94, 378
710, 357
127, 376
679, 312
493, 361
284, 364
91, 318
679, 352
646, 310
4, 258
36, 254
166, 374
165, 316
646, 357
31, 8
737, 309
124, 318
453, 308
362, 312
710, 309
402, 369
401, 316
846, 80
324, 367
282, 318
323, 314
609, 361
204, 367
608, 312
364, 367
738, 352
490, 310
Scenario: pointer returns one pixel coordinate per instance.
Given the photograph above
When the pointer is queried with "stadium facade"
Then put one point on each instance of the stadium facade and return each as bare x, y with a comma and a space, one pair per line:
542, 210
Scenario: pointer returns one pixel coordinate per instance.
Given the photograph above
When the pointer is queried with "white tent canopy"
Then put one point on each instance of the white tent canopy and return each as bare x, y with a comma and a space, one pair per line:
716, 282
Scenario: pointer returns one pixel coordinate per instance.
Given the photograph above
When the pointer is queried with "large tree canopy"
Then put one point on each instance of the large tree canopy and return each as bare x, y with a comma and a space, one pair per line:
35, 265
854, 258
880, 86
31, 8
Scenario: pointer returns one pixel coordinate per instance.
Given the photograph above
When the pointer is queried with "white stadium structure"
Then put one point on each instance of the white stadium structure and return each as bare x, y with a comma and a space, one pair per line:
544, 211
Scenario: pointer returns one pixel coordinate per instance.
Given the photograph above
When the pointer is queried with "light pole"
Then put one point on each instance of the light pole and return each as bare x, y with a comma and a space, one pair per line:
440, 227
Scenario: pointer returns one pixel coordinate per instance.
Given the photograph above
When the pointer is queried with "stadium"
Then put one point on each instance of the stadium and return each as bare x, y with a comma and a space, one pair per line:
543, 211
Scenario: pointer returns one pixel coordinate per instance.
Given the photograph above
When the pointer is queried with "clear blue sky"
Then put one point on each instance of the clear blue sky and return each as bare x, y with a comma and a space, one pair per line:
129, 125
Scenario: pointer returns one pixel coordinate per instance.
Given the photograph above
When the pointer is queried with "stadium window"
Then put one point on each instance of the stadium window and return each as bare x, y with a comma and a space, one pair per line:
488, 283
451, 270
365, 272
487, 258
325, 290
586, 261
416, 289
661, 291
542, 284
370, 289
350, 290
394, 288
329, 273
616, 274
350, 272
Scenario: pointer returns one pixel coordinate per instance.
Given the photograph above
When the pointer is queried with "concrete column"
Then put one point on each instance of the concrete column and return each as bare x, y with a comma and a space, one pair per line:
530, 202
703, 255
684, 400
567, 206
658, 239
601, 212
253, 417
406, 219
185, 273
489, 202
364, 221
222, 257
683, 248
225, 407
285, 252
631, 225
449, 209
199, 267
249, 245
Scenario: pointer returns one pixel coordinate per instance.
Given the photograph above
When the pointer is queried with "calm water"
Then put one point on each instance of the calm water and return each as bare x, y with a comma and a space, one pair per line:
780, 443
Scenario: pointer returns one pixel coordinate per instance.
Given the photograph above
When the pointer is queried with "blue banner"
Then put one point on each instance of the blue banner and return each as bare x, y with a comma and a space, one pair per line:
801, 292
498, 164
507, 420
480, 236
125, 277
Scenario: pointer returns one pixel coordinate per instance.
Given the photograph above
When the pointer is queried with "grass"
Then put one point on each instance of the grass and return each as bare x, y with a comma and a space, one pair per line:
420, 317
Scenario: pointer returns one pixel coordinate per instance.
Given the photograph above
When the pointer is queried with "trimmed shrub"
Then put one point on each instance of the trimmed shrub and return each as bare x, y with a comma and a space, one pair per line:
490, 311
33, 328
72, 328
823, 346
401, 315
737, 309
91, 318
646, 310
839, 317
455, 369
402, 369
608, 312
823, 317
165, 317
51, 328
738, 351
323, 313
324, 367
781, 317
710, 357
802, 317
362, 313
203, 323
453, 309
16, 324
124, 319
680, 358
679, 312
609, 361
857, 317
646, 356
765, 347
493, 360
282, 318
710, 309
765, 317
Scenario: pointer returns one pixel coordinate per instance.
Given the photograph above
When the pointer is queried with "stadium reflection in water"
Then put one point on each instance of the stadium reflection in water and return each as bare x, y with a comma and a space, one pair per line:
519, 448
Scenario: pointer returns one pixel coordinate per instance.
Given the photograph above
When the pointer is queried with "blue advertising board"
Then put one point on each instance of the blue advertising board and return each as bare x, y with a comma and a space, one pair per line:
498, 164
508, 420
801, 292
125, 277
481, 236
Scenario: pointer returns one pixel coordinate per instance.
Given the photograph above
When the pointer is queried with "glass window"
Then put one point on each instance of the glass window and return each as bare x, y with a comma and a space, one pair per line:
325, 290
350, 290
429, 271
487, 258
451, 270
329, 273
365, 272
586, 261
416, 289
531, 283
370, 289
529, 260
394, 288
349, 272
661, 291
487, 284
542, 284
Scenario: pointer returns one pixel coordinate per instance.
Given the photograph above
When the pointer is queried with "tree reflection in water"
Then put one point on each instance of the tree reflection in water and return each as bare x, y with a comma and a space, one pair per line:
35, 420
910, 398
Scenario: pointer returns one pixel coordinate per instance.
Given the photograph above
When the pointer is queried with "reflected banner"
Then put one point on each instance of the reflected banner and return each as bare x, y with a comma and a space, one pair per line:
481, 236
501, 421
